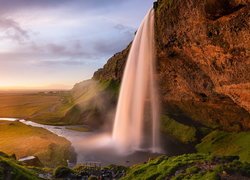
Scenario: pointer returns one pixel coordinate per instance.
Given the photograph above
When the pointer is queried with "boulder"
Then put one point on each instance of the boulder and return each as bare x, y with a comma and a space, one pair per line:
31, 161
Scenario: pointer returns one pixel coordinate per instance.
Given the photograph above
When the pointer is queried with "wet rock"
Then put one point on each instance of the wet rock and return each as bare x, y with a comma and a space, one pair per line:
31, 161
63, 172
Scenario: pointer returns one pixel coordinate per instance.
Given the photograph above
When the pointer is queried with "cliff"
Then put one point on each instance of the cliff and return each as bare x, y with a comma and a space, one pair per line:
203, 62
113, 69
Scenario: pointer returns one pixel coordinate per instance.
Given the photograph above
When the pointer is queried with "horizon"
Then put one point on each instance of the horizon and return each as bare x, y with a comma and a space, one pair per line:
54, 45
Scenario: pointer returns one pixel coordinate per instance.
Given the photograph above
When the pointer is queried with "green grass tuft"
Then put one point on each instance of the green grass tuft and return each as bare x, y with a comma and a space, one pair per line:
226, 143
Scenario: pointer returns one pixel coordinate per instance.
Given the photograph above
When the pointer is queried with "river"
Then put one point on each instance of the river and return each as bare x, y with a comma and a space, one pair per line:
92, 146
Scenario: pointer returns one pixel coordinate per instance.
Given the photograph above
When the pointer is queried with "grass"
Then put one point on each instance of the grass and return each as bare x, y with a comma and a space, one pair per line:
189, 166
22, 140
10, 169
111, 86
93, 101
40, 107
84, 104
226, 143
183, 133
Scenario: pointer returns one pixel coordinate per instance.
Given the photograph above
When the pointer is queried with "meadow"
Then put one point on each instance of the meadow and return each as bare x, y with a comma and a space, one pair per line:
42, 107
23, 140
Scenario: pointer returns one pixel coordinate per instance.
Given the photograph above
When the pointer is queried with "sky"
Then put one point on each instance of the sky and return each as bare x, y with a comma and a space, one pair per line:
53, 44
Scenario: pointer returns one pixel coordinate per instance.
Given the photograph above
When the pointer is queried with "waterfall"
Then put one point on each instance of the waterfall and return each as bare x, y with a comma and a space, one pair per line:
136, 125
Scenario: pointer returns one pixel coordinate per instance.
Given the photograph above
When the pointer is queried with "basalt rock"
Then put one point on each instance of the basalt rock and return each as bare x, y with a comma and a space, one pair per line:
203, 61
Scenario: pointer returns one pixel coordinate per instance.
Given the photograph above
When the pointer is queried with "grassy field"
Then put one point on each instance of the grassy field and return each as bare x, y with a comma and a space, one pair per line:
22, 140
46, 108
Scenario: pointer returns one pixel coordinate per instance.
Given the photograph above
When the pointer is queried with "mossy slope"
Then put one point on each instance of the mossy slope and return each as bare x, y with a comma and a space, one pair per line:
190, 166
226, 143
10, 169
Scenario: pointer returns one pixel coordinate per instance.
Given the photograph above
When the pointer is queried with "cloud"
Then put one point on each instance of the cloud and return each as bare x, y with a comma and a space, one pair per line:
69, 62
73, 49
12, 30
16, 5
121, 27
115, 44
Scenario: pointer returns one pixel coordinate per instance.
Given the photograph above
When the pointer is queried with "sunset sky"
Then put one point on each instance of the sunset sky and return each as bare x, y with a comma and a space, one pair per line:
53, 44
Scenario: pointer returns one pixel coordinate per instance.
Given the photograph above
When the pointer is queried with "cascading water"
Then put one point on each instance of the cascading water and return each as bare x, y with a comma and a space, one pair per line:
138, 95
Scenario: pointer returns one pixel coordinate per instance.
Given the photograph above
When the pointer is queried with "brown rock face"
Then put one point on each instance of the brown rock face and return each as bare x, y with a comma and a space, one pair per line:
203, 61
203, 56
114, 68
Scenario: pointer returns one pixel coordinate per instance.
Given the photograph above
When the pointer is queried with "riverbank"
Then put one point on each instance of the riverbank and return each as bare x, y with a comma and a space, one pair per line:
23, 140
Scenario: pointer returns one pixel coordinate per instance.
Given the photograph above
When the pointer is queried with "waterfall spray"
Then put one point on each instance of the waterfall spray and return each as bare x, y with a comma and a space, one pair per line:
138, 94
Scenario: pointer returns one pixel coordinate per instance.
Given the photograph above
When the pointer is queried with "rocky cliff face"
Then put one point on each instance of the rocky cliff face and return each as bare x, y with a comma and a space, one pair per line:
203, 62
113, 69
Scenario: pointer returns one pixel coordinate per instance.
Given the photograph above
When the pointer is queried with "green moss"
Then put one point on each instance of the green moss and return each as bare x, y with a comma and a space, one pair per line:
192, 170
111, 86
225, 143
188, 166
237, 167
10, 169
183, 133
62, 172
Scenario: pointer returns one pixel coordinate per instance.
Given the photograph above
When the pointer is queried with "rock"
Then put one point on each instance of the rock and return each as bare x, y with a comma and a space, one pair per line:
202, 62
155, 5
93, 178
11, 169
63, 172
113, 69
13, 156
4, 154
31, 161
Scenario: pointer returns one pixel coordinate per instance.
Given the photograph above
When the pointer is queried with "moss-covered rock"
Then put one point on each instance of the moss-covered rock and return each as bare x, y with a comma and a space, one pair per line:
226, 143
94, 103
190, 166
11, 169
63, 172
183, 133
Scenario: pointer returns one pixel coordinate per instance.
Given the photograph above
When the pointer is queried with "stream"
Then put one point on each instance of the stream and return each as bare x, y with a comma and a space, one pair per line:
92, 146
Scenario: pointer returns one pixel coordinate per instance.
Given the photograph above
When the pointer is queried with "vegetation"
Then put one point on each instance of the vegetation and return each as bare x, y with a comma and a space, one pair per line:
190, 166
111, 86
183, 133
187, 166
226, 143
44, 107
22, 140
88, 98
11, 169
62, 172
92, 103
